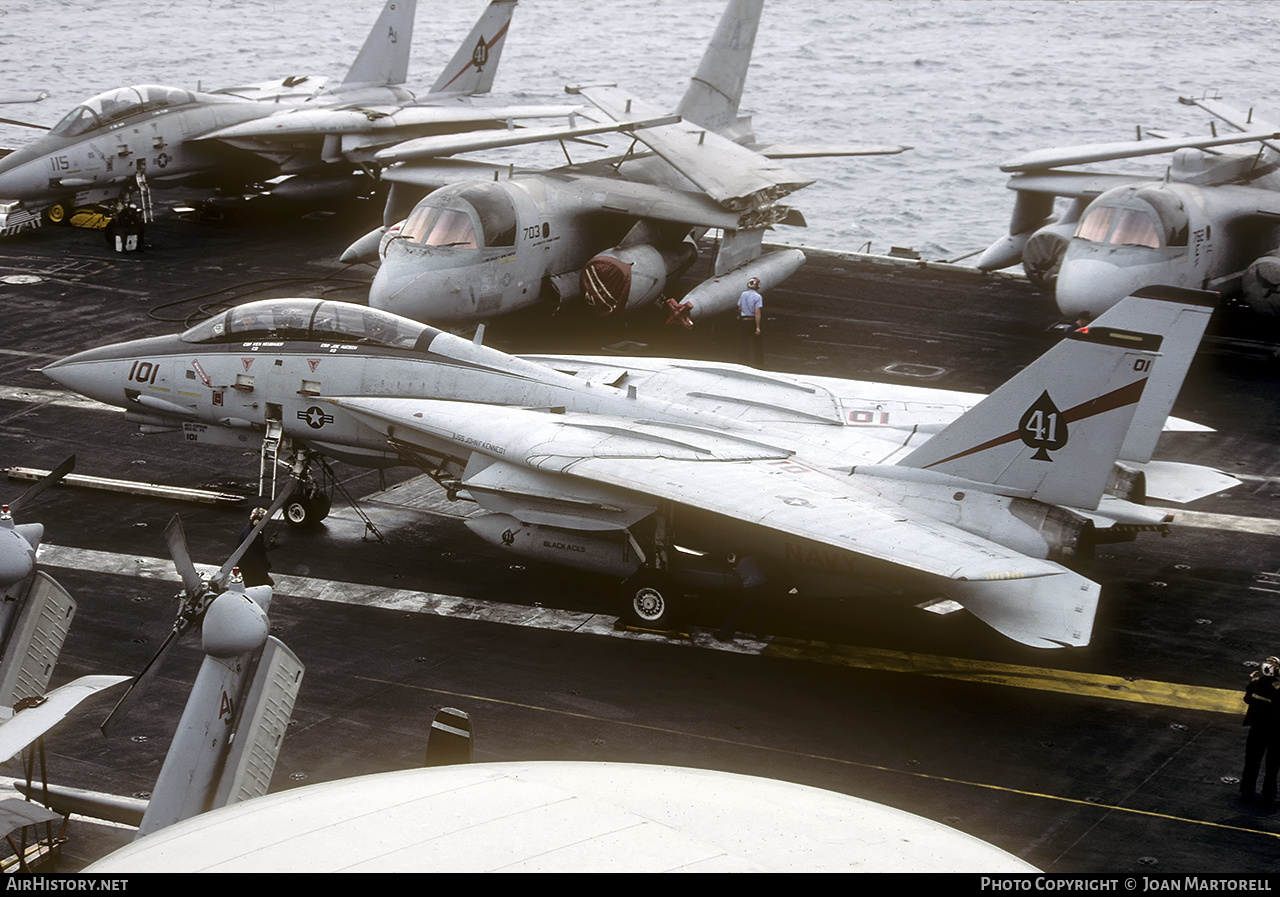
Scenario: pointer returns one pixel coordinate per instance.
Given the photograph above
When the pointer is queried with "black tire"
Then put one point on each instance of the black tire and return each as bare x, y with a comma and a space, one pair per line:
322, 505
652, 600
300, 513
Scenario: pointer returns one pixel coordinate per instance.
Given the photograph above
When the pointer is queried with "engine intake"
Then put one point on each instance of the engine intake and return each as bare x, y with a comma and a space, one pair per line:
621, 279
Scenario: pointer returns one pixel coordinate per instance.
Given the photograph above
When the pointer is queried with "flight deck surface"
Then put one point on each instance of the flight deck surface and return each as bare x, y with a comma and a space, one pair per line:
1118, 757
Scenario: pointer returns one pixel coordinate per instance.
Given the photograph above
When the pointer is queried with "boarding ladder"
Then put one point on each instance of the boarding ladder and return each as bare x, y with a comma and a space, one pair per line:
270, 455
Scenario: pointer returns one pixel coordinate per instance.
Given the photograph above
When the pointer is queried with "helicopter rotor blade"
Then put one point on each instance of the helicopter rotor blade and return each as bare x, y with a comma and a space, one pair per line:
42, 484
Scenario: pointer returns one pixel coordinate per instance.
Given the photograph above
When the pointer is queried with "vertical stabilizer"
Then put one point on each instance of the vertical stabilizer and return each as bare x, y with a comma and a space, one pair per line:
384, 58
472, 68
1181, 316
712, 98
261, 726
36, 640
1053, 432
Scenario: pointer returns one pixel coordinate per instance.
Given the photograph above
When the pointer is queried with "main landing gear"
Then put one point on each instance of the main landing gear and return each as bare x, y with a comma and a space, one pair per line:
312, 498
651, 599
307, 507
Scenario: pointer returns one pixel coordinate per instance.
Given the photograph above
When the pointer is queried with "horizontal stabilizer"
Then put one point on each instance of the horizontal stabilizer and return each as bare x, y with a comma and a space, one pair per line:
28, 725
1046, 612
1181, 483
94, 804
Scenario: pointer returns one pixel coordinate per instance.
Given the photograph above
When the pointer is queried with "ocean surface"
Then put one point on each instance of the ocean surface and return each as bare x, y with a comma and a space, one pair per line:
967, 83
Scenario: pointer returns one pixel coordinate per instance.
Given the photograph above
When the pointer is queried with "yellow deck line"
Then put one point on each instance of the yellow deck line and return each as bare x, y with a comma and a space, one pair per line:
1116, 688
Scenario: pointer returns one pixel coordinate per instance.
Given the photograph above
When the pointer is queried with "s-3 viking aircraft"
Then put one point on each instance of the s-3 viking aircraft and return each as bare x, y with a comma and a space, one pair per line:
321, 138
614, 232
1211, 221
651, 470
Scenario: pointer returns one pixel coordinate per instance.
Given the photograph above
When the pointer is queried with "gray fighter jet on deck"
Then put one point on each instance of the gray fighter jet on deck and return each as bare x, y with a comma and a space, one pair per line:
613, 233
320, 139
652, 470
1210, 221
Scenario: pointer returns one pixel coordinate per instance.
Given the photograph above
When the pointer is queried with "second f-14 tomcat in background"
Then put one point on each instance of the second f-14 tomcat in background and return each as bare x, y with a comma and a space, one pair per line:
319, 137
614, 234
648, 469
1210, 221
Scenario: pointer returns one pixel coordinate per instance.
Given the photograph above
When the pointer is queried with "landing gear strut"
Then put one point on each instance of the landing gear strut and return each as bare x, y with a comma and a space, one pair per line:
651, 597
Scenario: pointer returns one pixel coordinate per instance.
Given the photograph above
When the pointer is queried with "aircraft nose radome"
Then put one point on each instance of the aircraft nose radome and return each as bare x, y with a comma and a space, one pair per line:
1094, 286
401, 289
74, 375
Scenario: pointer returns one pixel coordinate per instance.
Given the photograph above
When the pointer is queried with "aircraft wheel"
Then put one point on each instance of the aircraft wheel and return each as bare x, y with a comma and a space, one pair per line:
651, 600
300, 513
59, 213
322, 504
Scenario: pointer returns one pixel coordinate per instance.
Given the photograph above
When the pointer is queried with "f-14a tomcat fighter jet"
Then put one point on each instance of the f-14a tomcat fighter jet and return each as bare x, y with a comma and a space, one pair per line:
1210, 221
320, 138
618, 465
613, 233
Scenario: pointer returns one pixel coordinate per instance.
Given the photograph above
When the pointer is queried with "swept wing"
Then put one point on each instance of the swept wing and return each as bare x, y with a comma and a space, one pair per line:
757, 483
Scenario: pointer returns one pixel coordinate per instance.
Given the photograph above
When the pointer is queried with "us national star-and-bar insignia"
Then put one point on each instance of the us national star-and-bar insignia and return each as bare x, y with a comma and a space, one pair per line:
315, 417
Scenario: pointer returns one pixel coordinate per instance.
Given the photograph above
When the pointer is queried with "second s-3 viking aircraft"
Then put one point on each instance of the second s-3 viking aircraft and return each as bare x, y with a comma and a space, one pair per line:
311, 137
652, 470
610, 233
1211, 221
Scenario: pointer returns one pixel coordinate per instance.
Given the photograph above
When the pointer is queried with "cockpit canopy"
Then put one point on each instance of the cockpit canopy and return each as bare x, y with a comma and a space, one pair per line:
1143, 216
470, 215
105, 108
313, 320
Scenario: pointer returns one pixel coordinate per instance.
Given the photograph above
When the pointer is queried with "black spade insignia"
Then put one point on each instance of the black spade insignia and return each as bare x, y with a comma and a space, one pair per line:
480, 55
1042, 428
